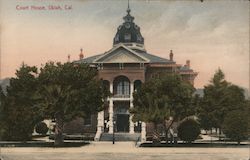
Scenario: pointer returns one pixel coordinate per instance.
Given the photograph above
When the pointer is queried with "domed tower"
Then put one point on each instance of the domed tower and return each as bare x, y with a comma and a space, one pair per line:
129, 33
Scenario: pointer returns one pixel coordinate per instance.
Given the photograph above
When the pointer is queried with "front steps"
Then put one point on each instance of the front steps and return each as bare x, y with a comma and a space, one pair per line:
120, 137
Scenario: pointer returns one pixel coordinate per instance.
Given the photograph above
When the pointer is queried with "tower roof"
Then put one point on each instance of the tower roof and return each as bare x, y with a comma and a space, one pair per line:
128, 32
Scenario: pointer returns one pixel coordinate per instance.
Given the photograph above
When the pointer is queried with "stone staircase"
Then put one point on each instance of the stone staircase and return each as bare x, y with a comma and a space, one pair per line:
120, 137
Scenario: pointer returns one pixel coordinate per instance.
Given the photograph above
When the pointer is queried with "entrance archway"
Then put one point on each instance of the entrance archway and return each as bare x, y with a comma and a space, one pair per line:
122, 116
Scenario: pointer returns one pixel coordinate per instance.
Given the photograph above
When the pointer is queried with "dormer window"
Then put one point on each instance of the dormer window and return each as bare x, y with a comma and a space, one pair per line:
139, 38
117, 38
127, 37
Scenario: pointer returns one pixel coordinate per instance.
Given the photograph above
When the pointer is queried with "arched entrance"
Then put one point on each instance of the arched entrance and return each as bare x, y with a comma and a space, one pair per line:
121, 116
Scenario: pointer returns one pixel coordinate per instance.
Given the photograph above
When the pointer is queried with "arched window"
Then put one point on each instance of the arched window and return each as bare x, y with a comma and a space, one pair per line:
121, 86
137, 84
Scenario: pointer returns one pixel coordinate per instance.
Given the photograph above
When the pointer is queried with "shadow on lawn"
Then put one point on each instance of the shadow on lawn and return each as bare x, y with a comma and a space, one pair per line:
42, 144
201, 145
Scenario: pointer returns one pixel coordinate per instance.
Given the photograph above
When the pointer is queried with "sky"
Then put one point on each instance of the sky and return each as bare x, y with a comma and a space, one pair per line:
212, 34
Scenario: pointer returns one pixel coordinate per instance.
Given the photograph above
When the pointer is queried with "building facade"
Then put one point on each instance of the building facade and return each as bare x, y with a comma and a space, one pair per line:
123, 69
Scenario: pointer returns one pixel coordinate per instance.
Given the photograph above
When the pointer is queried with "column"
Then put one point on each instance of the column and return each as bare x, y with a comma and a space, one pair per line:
111, 114
111, 111
100, 125
143, 132
100, 121
131, 123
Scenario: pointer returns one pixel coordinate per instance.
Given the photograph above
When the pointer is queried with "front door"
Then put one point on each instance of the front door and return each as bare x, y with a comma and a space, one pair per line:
122, 123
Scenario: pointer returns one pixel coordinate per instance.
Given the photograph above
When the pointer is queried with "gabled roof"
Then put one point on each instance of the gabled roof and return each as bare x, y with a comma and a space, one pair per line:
89, 59
146, 57
120, 51
154, 59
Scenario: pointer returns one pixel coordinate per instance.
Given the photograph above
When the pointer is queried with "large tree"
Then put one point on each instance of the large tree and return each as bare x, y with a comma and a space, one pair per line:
2, 124
220, 98
161, 98
235, 125
19, 114
68, 91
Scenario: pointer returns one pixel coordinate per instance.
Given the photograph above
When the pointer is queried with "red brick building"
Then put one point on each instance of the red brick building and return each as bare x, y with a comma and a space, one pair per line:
123, 68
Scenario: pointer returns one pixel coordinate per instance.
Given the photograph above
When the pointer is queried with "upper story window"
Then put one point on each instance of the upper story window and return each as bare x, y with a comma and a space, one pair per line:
121, 66
127, 37
139, 38
155, 75
121, 86
141, 65
117, 38
100, 66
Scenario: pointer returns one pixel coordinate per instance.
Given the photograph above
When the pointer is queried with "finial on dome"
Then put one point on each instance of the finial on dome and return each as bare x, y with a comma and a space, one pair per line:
128, 10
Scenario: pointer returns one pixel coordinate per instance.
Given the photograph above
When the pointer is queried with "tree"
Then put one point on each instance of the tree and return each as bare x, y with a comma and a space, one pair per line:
19, 114
161, 98
236, 125
68, 91
188, 130
2, 124
220, 98
41, 128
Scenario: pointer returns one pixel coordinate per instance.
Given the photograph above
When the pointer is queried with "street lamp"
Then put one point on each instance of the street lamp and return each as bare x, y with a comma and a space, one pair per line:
113, 139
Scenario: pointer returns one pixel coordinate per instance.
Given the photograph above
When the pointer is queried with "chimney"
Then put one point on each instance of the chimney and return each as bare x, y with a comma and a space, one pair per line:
69, 58
188, 63
81, 56
171, 55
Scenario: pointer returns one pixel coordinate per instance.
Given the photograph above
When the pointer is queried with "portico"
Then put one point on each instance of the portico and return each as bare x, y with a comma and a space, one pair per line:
121, 89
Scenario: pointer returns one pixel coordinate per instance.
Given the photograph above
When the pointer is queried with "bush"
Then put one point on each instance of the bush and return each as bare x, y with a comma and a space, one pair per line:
41, 128
188, 130
235, 125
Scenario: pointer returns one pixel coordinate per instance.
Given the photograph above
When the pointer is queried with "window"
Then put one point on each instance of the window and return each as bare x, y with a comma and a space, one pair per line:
141, 65
121, 86
121, 66
139, 38
117, 38
127, 37
100, 66
137, 85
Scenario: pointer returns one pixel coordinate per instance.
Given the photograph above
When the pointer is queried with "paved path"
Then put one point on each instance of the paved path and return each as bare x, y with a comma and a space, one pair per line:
124, 151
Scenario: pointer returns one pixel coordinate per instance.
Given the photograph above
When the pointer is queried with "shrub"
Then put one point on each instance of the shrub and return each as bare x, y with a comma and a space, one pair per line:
188, 130
235, 125
41, 128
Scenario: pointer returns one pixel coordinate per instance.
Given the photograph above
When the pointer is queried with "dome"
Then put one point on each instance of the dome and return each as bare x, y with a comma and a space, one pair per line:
129, 33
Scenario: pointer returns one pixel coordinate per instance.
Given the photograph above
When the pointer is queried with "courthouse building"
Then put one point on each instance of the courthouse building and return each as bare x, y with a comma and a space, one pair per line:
123, 69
